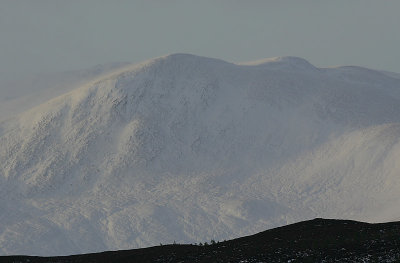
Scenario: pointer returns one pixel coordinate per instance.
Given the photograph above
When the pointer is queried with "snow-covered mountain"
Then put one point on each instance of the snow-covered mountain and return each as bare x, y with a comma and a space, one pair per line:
191, 149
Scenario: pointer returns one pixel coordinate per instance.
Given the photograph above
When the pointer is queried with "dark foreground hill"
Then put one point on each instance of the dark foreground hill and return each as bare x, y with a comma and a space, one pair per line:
318, 240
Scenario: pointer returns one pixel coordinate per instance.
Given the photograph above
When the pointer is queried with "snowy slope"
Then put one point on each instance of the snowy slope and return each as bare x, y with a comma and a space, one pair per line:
190, 149
22, 94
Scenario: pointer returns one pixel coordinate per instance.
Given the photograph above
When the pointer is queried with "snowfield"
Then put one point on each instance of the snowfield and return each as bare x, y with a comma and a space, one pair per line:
190, 149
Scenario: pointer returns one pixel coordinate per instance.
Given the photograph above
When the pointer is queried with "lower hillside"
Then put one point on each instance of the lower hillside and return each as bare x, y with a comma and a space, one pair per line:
318, 240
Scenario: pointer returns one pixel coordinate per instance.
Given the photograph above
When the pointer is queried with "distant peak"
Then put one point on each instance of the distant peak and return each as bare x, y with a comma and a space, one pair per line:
180, 56
286, 62
185, 57
181, 60
292, 60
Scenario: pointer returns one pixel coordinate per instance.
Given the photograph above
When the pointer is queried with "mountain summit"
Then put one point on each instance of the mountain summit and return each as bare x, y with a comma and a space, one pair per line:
190, 149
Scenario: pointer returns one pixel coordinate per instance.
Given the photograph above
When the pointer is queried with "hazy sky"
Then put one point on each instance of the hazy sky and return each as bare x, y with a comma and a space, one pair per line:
56, 35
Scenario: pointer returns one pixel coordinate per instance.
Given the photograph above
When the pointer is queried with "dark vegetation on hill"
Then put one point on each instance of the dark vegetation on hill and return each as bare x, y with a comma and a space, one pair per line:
318, 240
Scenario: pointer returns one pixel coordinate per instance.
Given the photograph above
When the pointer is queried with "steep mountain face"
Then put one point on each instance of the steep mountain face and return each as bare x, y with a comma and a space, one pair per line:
189, 148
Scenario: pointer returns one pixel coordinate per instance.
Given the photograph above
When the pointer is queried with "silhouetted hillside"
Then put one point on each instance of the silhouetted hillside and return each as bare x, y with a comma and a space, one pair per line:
318, 240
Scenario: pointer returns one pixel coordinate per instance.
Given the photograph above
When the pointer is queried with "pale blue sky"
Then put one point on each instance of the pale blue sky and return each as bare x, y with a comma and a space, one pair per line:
56, 35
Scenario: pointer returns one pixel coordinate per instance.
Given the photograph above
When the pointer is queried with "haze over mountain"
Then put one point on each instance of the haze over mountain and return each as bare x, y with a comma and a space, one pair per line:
22, 94
191, 149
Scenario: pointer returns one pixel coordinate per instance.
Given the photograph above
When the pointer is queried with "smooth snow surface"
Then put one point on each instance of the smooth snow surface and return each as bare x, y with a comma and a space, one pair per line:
191, 149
